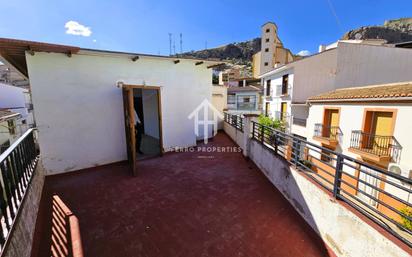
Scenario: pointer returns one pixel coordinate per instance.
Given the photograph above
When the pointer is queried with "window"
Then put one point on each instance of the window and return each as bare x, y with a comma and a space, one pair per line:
246, 102
231, 99
266, 63
267, 30
266, 49
12, 127
267, 40
268, 87
285, 84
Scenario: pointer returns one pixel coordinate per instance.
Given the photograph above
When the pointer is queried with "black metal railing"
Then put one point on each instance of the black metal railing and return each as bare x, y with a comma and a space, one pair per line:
372, 191
299, 121
235, 121
17, 165
382, 146
331, 132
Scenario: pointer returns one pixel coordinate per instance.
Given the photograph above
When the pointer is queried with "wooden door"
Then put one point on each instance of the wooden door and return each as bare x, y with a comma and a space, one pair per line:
283, 109
267, 109
381, 128
128, 107
333, 122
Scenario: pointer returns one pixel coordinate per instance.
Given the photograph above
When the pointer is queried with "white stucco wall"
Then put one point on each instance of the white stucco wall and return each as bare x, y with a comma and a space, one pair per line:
314, 75
360, 64
235, 134
79, 108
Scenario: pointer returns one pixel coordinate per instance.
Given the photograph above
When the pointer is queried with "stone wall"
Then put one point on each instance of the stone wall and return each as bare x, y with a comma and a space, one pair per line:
21, 237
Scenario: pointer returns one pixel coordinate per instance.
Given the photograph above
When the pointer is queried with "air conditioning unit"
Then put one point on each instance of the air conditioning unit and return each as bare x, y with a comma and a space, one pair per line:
399, 169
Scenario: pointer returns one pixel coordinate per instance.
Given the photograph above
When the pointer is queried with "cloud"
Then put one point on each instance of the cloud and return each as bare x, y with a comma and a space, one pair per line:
94, 40
304, 53
75, 28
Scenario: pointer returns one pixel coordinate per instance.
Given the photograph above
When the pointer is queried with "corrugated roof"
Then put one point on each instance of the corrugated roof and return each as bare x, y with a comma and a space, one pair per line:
400, 91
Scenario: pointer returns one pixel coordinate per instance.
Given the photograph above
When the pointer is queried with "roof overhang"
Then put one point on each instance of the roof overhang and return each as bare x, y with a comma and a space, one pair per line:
354, 100
13, 53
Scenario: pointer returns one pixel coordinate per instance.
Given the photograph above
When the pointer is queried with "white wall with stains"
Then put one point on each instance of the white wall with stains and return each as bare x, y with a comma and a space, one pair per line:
79, 108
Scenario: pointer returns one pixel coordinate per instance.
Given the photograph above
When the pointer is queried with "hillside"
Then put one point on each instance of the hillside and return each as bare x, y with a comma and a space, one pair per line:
238, 53
394, 31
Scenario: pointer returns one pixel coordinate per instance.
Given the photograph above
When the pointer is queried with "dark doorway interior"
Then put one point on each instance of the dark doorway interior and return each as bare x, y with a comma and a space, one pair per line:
146, 105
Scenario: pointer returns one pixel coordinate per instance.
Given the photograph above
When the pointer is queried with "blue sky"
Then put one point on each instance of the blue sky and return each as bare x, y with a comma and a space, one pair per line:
142, 26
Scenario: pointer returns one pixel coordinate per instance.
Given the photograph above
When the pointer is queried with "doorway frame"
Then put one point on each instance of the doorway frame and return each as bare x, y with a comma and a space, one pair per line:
159, 106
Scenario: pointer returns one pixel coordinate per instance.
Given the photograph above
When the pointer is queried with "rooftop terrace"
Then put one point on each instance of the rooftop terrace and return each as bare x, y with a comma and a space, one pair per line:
182, 204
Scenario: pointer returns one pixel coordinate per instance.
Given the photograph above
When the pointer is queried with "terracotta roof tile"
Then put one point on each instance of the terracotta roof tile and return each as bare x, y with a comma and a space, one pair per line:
394, 90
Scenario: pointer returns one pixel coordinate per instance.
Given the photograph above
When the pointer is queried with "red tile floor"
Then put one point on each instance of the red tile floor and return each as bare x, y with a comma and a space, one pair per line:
181, 204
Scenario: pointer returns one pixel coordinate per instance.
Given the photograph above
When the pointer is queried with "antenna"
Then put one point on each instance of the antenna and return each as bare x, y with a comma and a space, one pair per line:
181, 43
174, 47
206, 44
170, 44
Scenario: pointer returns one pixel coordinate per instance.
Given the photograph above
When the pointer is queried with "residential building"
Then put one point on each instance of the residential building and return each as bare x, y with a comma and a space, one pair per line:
11, 76
245, 99
219, 100
272, 53
372, 124
86, 120
229, 77
75, 116
288, 87
18, 99
8, 129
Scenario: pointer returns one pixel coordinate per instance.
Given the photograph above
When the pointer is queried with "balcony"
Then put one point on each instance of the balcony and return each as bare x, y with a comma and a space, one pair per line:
283, 90
328, 135
381, 149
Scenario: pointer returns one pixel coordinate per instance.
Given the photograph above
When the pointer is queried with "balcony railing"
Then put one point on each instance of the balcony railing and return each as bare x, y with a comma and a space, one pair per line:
283, 90
329, 132
378, 194
17, 165
235, 121
381, 146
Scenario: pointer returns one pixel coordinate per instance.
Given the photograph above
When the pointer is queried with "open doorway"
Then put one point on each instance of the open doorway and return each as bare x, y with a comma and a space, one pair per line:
143, 123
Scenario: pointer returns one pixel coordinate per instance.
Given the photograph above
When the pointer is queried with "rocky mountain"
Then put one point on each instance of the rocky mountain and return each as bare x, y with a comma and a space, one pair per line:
394, 31
238, 53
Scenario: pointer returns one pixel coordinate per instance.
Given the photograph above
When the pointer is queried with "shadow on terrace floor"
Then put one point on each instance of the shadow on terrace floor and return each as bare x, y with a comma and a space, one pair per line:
181, 204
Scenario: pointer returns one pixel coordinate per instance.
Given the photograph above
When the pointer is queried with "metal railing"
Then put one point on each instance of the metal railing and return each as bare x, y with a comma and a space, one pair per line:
382, 146
331, 132
17, 165
372, 191
235, 121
